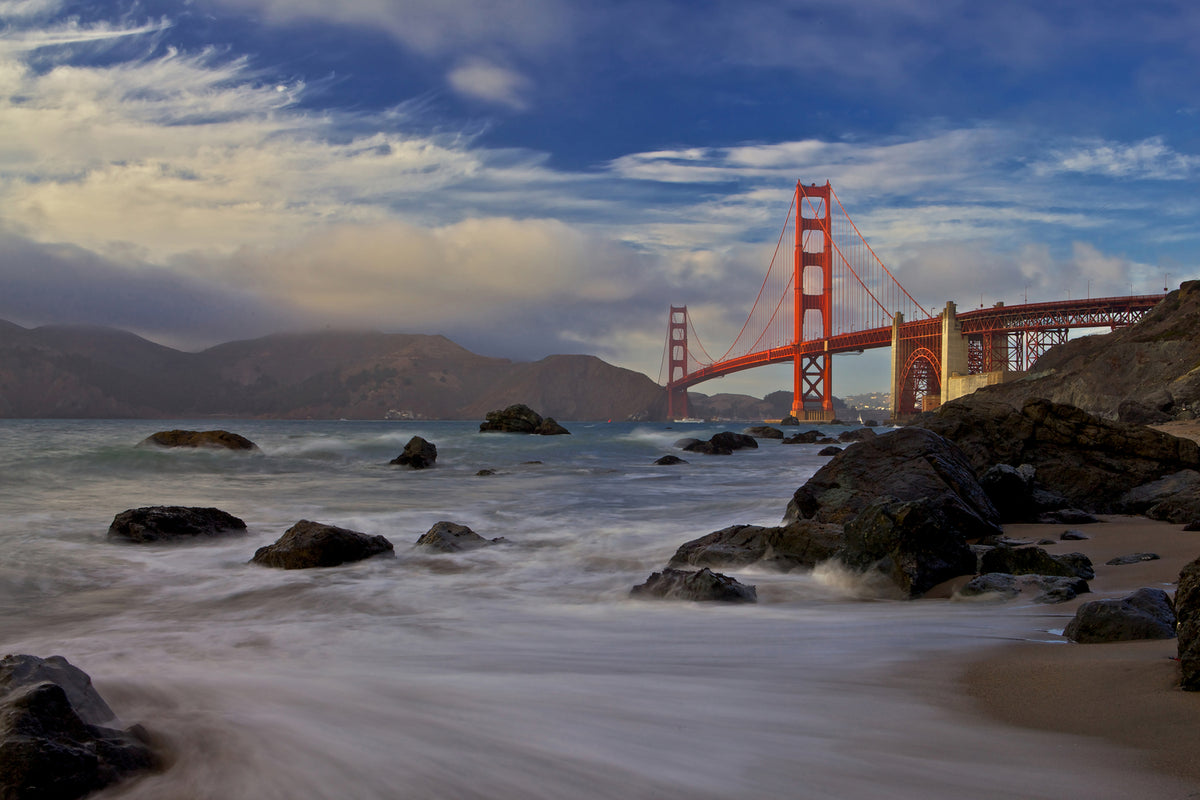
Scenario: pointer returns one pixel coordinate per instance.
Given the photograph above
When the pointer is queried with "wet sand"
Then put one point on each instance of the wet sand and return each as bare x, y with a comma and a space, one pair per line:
1124, 693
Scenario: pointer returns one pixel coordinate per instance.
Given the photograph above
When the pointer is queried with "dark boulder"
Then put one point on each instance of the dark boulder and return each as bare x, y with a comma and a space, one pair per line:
907, 464
450, 537
418, 454
1073, 536
1145, 614
312, 544
54, 743
790, 419
1035, 561
764, 432
520, 418
829, 450
798, 545
1090, 461
917, 544
213, 439
1066, 516
173, 523
703, 585
1140, 413
721, 444
669, 459
1187, 607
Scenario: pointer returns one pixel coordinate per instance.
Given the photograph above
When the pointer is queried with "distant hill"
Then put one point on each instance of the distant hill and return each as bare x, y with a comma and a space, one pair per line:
88, 372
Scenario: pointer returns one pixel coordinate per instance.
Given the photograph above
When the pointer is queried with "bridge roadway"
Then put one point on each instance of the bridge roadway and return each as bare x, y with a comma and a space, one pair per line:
1097, 312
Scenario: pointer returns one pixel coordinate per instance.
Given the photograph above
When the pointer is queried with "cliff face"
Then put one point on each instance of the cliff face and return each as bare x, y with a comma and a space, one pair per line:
67, 372
1147, 372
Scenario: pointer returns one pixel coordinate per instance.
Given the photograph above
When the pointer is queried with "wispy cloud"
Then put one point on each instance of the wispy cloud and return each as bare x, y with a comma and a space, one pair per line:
1149, 159
483, 80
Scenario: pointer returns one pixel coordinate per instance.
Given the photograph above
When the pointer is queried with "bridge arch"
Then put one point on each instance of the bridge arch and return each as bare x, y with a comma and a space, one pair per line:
920, 377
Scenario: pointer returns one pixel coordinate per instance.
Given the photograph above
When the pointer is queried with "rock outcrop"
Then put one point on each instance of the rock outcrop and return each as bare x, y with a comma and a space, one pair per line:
173, 523
701, 586
1090, 462
312, 544
1035, 561
418, 454
213, 439
798, 545
54, 743
763, 432
520, 418
1145, 614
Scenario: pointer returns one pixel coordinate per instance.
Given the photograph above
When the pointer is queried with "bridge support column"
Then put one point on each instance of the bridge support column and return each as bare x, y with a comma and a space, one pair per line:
897, 356
954, 349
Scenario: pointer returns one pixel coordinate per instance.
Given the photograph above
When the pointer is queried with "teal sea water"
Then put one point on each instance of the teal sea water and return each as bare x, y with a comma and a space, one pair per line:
520, 671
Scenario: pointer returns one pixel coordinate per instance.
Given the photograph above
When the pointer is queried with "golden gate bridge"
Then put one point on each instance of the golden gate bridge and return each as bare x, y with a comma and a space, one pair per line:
835, 295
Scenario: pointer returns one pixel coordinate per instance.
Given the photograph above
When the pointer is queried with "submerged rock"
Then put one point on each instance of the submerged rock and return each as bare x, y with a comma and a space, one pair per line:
215, 439
450, 537
53, 741
173, 523
703, 585
312, 544
1145, 614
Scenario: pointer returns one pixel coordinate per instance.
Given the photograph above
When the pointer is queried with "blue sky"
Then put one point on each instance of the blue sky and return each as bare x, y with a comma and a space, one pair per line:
530, 177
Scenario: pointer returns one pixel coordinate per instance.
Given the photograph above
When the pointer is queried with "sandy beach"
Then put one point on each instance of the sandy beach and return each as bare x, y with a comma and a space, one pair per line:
1124, 693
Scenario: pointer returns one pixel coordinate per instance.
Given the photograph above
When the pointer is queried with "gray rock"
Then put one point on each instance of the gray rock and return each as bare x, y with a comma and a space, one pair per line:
994, 583
669, 460
1132, 558
450, 537
721, 444
829, 450
173, 523
1073, 535
309, 544
53, 741
1145, 614
703, 585
807, 437
418, 454
856, 435
798, 545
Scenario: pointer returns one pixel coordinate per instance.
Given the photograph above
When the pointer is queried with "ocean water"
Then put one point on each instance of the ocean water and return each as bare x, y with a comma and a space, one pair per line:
517, 671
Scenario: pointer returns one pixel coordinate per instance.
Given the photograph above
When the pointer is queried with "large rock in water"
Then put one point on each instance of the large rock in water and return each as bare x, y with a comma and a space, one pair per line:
418, 454
312, 544
1090, 461
215, 439
1145, 614
719, 444
703, 585
907, 464
53, 741
798, 545
917, 544
1187, 610
520, 418
173, 523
